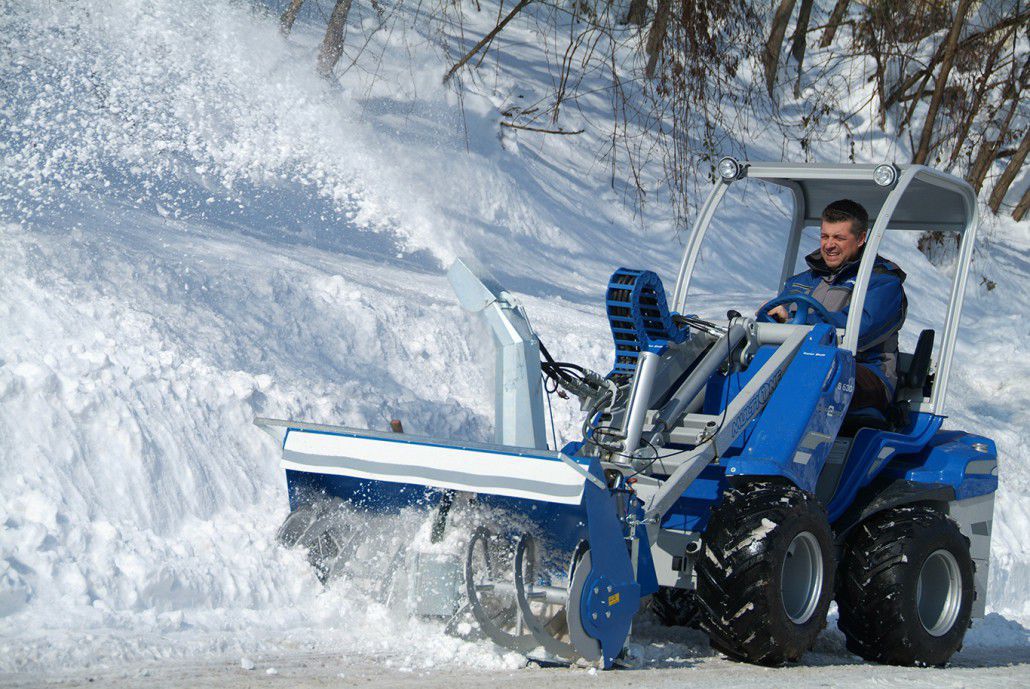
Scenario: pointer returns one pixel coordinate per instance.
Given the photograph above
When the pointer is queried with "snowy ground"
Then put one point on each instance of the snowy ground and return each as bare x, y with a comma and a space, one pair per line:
195, 231
315, 670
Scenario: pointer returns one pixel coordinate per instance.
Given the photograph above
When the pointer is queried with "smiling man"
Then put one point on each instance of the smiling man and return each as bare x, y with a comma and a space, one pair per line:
830, 279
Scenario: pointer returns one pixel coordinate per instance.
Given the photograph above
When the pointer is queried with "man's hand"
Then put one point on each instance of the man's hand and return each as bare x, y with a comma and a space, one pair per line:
779, 314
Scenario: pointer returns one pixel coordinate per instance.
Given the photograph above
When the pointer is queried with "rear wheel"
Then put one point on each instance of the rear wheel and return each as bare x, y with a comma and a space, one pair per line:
906, 587
765, 577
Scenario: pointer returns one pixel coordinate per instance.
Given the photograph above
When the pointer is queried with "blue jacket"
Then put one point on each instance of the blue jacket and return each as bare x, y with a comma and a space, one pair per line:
882, 316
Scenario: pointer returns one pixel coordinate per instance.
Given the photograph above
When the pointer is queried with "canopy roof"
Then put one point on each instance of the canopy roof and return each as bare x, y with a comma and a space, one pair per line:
930, 200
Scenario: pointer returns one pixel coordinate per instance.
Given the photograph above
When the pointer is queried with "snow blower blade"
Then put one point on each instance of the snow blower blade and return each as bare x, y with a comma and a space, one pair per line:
546, 573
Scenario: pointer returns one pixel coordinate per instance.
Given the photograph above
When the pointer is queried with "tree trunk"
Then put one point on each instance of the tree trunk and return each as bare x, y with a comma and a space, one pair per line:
948, 58
656, 36
332, 44
977, 101
800, 40
637, 12
989, 149
1023, 206
1001, 187
771, 56
289, 16
836, 17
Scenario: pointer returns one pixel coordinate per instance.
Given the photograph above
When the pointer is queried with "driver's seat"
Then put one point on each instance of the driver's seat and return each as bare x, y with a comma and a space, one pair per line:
914, 383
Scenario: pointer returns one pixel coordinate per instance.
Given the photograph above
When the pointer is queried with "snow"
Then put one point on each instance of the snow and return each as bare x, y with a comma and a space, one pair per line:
195, 230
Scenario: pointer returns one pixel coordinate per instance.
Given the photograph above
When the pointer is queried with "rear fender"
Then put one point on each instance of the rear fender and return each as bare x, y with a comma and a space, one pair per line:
955, 471
966, 462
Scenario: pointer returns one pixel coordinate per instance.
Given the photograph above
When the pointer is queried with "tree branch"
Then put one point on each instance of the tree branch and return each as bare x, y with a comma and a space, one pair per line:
563, 132
486, 39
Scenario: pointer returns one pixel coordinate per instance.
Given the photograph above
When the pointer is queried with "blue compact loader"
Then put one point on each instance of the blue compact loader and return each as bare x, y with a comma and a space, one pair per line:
723, 476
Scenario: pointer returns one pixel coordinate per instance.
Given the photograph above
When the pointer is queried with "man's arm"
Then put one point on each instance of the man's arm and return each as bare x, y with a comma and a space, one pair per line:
780, 314
883, 312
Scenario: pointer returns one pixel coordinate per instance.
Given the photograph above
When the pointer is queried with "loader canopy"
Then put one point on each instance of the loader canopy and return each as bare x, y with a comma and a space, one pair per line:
897, 197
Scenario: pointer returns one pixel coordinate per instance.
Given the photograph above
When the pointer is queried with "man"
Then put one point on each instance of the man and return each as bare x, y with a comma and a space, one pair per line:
830, 280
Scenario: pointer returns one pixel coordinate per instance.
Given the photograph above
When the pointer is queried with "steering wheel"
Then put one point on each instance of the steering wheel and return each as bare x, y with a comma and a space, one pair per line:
805, 305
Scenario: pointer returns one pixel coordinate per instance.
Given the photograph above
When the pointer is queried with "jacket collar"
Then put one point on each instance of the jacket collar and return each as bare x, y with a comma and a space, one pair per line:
847, 269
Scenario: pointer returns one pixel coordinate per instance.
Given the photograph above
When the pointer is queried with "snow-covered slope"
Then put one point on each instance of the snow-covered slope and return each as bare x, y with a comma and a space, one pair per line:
195, 230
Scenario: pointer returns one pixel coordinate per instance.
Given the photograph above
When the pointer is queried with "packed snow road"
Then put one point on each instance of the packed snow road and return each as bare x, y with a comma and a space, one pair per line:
983, 669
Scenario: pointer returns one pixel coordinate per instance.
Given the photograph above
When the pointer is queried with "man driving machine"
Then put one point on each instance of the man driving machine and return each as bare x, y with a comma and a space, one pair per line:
830, 279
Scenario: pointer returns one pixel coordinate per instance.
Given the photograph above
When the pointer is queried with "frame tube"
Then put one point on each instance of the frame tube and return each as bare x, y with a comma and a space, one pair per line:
697, 235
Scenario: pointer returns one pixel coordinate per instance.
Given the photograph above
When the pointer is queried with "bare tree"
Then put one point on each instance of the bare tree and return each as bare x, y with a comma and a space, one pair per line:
289, 16
989, 147
1023, 206
1008, 175
950, 76
774, 44
485, 40
840, 8
799, 41
979, 97
922, 153
656, 36
332, 44
637, 13
962, 103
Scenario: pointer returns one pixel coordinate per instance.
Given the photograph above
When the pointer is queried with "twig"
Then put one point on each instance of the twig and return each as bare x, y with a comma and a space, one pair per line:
563, 132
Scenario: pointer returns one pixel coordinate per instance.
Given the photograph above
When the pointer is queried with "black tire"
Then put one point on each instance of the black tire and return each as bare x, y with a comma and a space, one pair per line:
675, 607
883, 562
761, 531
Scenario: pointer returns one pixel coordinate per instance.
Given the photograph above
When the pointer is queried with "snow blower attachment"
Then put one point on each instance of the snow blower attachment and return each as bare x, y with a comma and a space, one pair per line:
719, 474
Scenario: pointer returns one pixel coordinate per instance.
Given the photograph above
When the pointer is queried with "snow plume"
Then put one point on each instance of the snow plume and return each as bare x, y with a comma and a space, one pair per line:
198, 109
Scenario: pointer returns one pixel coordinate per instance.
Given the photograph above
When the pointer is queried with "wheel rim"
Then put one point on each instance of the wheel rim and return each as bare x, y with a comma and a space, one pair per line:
939, 592
801, 579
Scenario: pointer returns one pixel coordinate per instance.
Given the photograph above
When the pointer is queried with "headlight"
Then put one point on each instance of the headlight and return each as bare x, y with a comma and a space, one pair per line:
729, 169
885, 175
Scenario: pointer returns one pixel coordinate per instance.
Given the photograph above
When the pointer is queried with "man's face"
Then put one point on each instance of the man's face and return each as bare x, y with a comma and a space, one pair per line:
837, 244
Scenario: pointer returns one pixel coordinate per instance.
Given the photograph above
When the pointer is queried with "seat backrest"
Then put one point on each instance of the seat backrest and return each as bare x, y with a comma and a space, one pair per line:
914, 369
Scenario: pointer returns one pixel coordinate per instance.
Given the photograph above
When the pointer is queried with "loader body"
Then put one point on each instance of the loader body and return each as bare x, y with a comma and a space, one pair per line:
695, 420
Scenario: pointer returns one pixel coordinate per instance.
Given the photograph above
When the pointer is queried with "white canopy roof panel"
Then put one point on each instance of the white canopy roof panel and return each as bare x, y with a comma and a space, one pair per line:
932, 201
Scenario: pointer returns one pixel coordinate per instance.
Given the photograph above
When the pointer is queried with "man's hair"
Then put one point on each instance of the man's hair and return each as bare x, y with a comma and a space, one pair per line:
846, 209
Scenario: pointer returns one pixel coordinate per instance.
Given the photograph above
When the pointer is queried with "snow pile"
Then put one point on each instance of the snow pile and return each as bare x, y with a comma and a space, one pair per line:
194, 231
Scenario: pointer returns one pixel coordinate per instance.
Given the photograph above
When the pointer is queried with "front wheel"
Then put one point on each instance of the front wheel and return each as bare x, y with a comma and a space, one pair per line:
765, 577
906, 590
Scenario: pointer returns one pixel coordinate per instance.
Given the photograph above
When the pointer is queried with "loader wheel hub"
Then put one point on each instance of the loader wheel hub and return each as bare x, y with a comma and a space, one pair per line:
801, 578
939, 592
